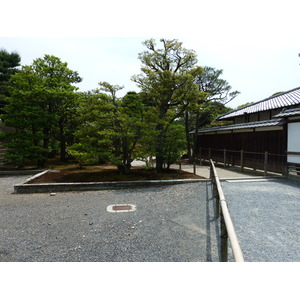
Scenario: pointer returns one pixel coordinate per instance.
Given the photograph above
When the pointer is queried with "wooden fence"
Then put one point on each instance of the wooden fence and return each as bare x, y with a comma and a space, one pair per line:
267, 162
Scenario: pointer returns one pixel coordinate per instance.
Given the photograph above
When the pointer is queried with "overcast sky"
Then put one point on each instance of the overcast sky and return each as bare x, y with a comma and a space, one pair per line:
255, 43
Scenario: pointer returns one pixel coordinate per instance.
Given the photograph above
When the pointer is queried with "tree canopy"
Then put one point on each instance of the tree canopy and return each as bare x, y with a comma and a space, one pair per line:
50, 117
110, 127
216, 90
168, 87
41, 104
9, 63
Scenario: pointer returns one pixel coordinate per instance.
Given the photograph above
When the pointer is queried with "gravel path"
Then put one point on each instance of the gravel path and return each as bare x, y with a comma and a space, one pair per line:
266, 217
173, 223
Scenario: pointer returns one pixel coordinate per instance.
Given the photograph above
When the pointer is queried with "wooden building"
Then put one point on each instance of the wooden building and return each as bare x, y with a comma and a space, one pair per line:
268, 127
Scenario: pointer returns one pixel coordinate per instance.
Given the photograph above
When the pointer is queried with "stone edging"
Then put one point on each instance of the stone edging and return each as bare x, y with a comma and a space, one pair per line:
26, 188
19, 172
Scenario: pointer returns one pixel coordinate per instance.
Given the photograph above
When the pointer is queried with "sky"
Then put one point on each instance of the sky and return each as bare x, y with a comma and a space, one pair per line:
255, 43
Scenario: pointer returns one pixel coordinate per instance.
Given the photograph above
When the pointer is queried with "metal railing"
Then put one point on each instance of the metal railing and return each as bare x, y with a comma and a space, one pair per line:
227, 229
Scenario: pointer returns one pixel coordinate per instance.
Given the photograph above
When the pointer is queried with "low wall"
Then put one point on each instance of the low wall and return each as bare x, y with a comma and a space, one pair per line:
27, 188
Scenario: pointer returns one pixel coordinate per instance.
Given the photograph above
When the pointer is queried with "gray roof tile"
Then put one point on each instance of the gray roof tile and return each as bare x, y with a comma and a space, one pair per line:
288, 113
286, 99
267, 123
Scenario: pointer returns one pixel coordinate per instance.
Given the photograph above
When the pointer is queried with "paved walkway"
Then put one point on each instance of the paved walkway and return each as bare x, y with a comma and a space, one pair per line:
222, 172
204, 170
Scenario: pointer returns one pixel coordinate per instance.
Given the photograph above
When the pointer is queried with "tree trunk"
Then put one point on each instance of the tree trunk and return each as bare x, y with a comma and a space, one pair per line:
188, 136
196, 135
43, 162
63, 151
124, 169
159, 150
62, 140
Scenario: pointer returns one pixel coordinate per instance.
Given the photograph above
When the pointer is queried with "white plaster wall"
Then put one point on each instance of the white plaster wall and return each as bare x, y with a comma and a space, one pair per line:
294, 142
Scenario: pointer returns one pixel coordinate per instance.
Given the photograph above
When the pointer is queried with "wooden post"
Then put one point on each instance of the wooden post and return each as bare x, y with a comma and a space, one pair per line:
242, 160
180, 164
266, 164
285, 170
224, 240
200, 156
194, 165
224, 158
217, 196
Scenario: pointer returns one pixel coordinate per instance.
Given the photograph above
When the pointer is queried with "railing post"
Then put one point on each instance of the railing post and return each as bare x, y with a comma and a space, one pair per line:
200, 156
242, 160
217, 196
224, 240
285, 170
224, 158
266, 164
215, 192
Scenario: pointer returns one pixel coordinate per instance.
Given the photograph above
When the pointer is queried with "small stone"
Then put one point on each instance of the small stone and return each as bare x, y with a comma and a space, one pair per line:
91, 223
52, 194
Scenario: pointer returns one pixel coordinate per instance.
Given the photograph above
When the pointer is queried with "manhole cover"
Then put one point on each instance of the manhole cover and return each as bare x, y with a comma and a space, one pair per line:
121, 208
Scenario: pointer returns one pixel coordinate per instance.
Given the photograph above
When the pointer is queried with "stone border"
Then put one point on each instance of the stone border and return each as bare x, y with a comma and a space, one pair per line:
27, 188
19, 172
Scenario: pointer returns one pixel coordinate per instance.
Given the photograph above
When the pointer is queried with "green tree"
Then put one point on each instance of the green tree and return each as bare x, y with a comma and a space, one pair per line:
168, 86
110, 127
245, 104
175, 144
9, 63
215, 89
41, 104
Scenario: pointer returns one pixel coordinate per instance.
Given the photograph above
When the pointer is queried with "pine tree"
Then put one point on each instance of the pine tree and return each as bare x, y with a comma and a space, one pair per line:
8, 66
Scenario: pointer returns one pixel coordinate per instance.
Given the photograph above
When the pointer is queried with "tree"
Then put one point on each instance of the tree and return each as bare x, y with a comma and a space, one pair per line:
9, 62
215, 90
41, 104
246, 104
168, 86
110, 127
175, 144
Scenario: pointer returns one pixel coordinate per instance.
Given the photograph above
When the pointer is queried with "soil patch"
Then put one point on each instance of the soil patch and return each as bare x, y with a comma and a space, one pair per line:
107, 174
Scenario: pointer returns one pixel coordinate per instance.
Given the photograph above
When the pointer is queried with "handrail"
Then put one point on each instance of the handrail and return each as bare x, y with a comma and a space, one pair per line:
227, 228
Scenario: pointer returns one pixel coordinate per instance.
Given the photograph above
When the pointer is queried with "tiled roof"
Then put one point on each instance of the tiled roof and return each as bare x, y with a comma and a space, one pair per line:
286, 99
288, 113
268, 123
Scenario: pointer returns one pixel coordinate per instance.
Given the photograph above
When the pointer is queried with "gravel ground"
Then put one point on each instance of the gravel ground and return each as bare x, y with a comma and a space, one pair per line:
266, 217
173, 223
